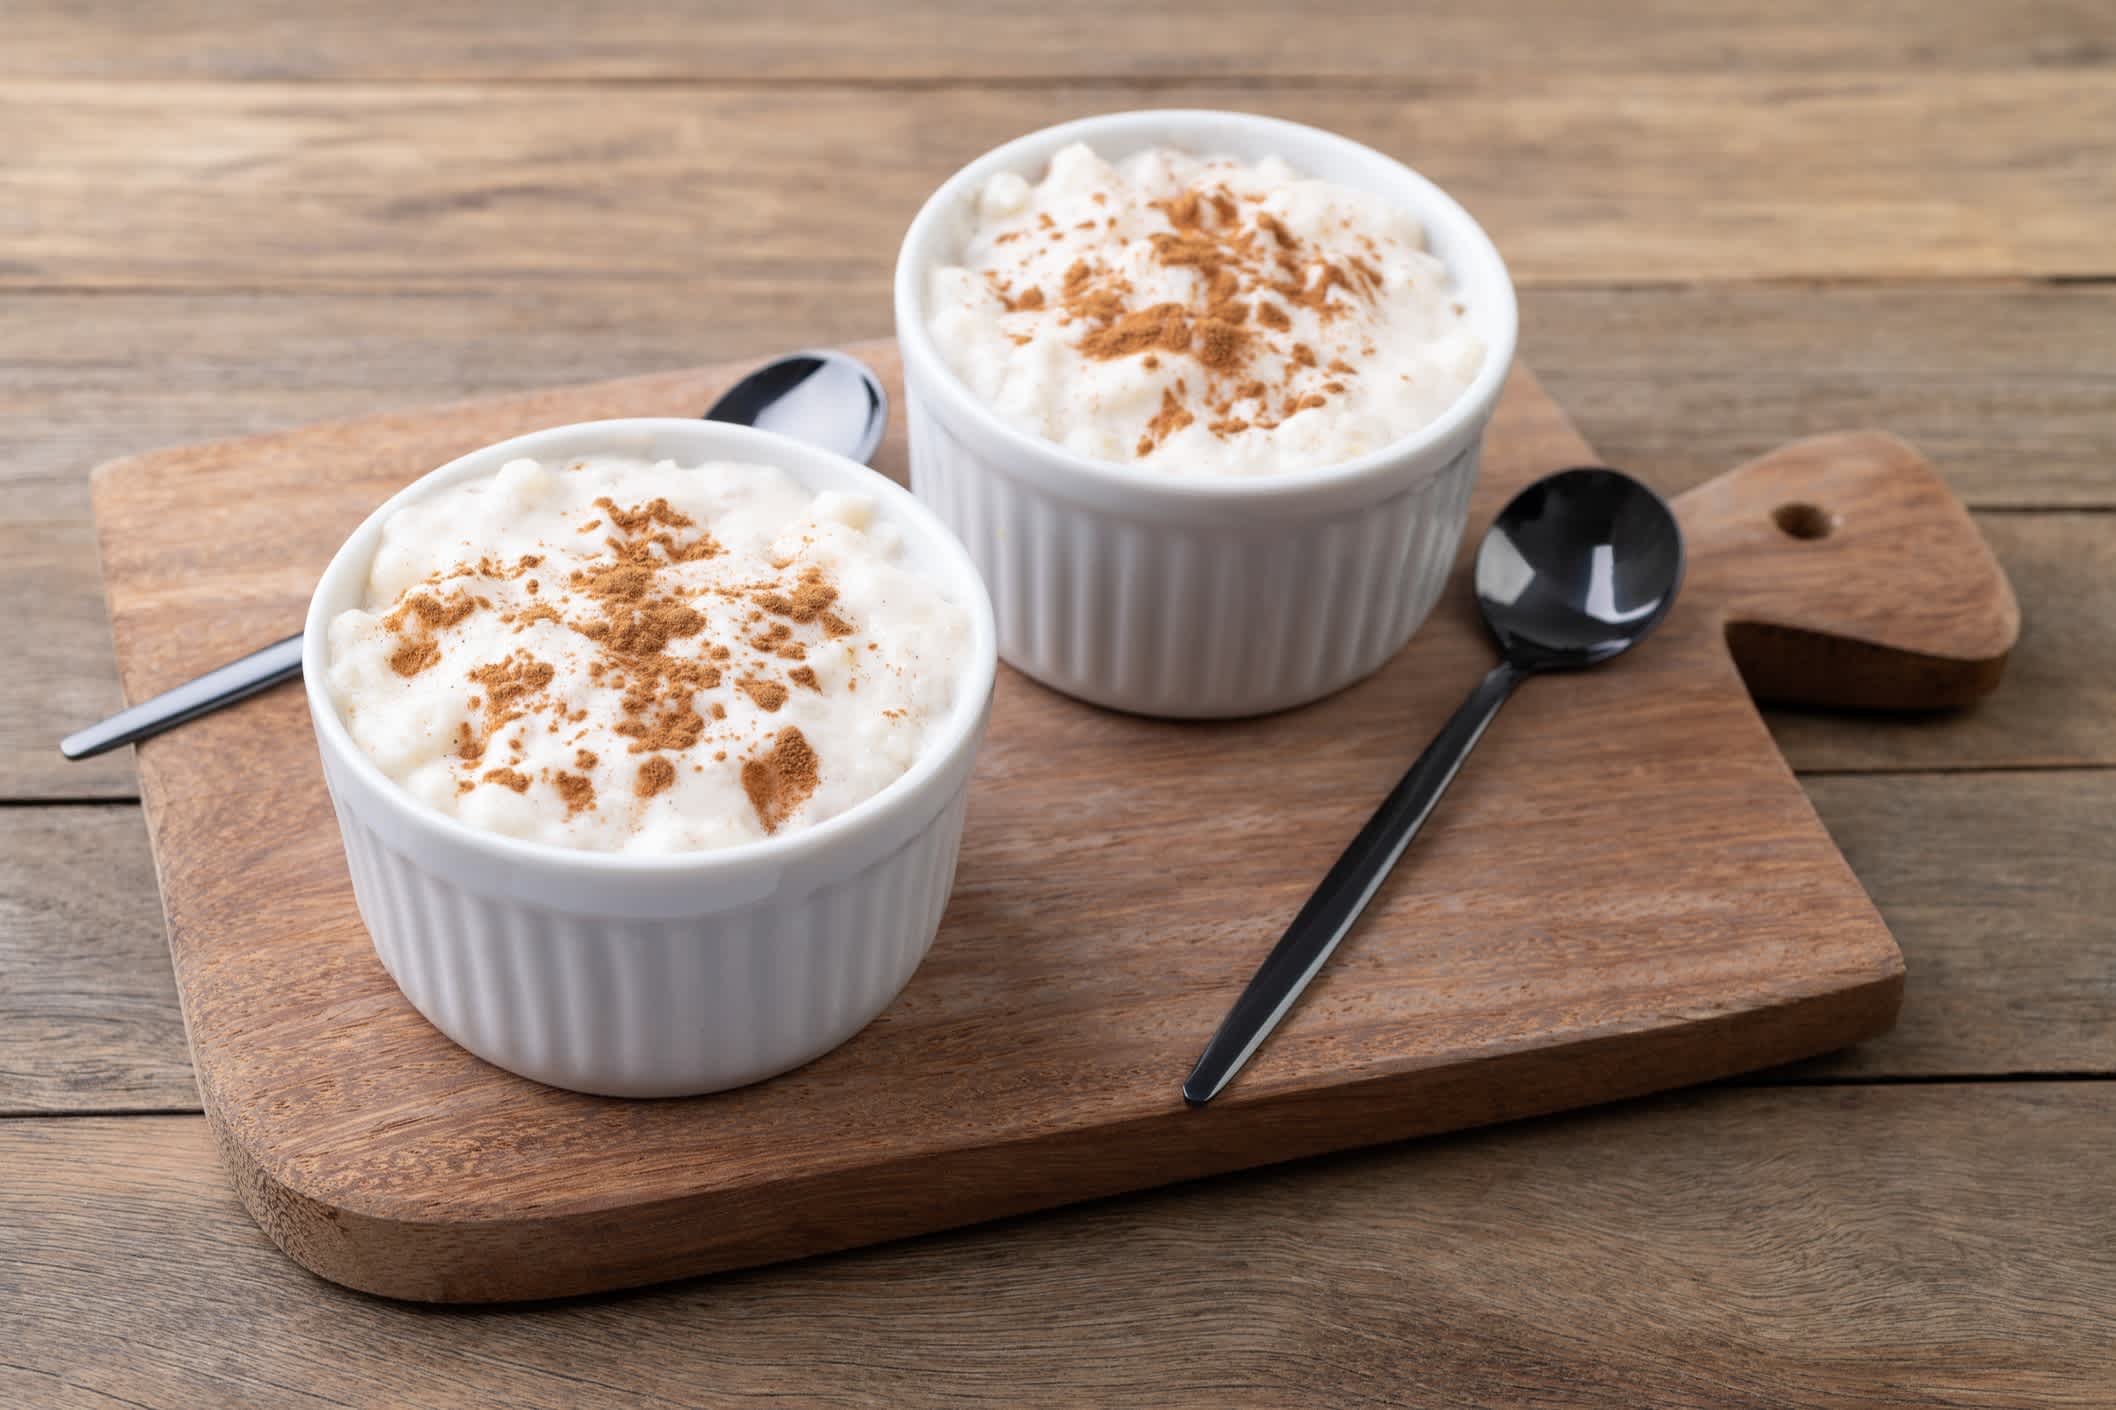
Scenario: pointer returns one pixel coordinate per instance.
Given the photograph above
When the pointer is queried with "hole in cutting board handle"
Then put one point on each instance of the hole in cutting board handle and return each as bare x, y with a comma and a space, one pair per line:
1800, 520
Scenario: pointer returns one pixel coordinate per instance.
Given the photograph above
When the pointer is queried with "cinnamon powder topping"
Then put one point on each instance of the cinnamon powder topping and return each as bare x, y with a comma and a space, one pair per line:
417, 621
655, 776
769, 695
639, 620
805, 603
414, 656
1172, 417
577, 790
783, 779
1249, 268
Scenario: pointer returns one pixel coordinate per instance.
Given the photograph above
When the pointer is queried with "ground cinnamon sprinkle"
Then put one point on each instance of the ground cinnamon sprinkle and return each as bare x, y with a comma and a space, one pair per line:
425, 615
577, 790
655, 775
638, 614
655, 511
769, 695
1171, 418
782, 780
414, 656
1251, 269
810, 596
432, 612
1163, 327
1222, 346
508, 681
532, 614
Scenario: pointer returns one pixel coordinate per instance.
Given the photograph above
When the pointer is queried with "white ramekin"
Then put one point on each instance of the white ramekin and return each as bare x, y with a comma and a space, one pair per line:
1192, 596
666, 975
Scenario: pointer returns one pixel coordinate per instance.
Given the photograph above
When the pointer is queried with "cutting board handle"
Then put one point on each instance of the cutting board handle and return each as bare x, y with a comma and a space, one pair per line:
1848, 574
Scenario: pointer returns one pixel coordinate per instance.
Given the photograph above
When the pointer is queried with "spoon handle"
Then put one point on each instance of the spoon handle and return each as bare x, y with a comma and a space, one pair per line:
224, 686
1344, 893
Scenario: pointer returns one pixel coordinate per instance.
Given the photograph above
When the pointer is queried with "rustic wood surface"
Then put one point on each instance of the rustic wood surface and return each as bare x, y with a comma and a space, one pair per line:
1727, 1250
522, 183
1067, 990
1677, 384
1863, 1244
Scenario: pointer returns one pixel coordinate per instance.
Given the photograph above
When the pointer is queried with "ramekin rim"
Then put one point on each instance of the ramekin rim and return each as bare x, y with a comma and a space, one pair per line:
959, 730
1435, 207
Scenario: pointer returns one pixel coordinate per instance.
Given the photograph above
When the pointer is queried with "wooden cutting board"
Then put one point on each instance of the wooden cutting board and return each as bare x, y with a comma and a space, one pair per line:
1626, 890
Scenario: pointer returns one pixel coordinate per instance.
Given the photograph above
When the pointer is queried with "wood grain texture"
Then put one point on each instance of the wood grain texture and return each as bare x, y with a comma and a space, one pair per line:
2007, 388
1087, 985
969, 41
1849, 575
438, 185
1878, 1247
2011, 960
2060, 694
1948, 1258
2000, 889
61, 674
88, 1014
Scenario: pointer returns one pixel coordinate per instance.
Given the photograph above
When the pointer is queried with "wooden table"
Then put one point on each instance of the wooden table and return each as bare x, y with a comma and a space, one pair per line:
220, 216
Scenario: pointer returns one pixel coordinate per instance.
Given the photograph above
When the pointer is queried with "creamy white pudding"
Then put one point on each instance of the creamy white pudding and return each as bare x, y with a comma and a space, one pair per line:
1201, 315
618, 655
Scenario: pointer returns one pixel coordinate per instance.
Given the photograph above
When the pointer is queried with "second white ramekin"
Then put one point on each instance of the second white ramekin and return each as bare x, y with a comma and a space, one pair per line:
664, 975
1183, 596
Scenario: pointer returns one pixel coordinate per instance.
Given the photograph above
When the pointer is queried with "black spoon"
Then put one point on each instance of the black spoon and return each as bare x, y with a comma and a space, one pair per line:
825, 398
1578, 568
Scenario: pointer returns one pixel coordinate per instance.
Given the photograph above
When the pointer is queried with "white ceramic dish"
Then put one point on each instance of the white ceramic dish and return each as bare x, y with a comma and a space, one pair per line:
657, 975
1184, 596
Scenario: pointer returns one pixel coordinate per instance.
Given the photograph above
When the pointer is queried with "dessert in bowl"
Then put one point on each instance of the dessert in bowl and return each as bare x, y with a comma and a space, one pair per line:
649, 741
1203, 393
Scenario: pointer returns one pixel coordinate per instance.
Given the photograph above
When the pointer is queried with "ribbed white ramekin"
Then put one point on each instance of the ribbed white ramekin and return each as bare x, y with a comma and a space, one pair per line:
1195, 596
665, 975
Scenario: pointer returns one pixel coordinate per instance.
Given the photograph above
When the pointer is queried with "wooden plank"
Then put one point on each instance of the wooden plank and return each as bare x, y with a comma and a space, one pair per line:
1020, 39
88, 1018
1999, 889
2007, 387
2011, 960
1893, 1247
435, 185
60, 672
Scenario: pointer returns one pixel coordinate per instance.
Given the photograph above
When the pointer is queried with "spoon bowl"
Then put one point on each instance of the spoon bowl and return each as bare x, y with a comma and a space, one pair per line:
828, 400
1579, 566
